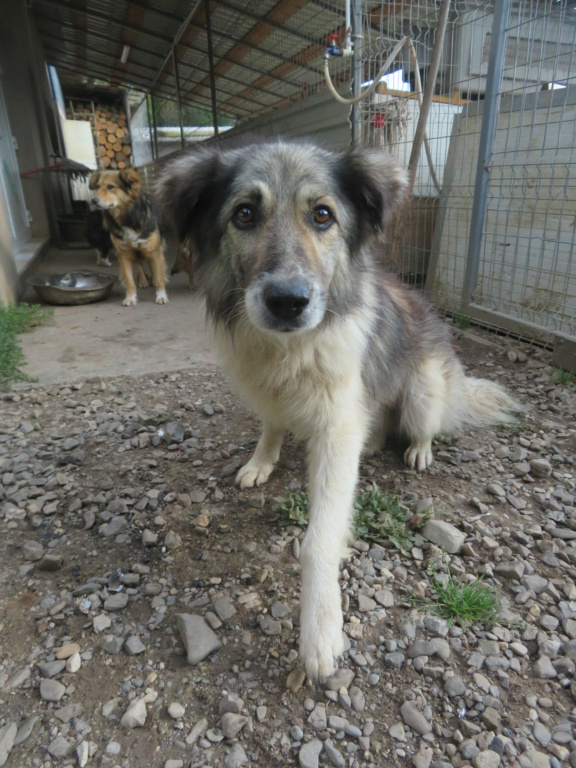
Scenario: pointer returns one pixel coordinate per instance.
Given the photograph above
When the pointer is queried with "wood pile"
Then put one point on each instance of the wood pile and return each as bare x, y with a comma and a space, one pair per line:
110, 131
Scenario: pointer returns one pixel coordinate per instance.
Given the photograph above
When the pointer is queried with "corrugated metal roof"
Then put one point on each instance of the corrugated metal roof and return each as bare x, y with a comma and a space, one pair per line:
266, 53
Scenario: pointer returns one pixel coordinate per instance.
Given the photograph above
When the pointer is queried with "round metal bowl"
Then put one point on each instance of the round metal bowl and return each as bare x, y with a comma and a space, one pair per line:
72, 287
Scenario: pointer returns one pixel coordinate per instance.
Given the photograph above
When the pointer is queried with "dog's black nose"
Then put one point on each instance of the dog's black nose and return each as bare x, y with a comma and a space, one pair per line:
288, 299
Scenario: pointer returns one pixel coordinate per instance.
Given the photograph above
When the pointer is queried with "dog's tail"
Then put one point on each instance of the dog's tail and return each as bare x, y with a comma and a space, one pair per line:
488, 403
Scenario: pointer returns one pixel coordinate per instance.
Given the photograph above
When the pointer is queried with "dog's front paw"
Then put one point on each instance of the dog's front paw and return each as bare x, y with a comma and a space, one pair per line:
321, 643
130, 301
253, 474
161, 297
418, 456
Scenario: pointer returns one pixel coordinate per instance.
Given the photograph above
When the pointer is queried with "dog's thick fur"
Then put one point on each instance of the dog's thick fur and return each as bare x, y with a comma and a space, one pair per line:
133, 221
319, 340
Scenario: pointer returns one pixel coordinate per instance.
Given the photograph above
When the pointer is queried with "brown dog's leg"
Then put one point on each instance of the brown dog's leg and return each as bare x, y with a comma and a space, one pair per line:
141, 276
154, 253
126, 259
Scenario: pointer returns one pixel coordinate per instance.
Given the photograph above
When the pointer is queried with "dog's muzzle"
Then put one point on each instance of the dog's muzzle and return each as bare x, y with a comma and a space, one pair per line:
286, 300
284, 304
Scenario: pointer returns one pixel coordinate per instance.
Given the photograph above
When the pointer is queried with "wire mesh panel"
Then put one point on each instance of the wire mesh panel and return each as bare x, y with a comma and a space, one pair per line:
524, 276
525, 272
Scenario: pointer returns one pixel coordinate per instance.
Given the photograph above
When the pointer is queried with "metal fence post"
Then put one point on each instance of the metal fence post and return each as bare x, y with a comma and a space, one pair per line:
486, 145
358, 69
179, 101
211, 65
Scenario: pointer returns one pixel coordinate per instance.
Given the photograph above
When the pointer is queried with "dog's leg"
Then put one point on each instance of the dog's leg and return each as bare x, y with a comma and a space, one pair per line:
156, 260
258, 469
126, 259
334, 455
422, 412
102, 260
141, 277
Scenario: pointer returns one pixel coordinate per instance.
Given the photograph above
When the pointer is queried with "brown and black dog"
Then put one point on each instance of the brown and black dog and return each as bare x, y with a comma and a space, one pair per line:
133, 221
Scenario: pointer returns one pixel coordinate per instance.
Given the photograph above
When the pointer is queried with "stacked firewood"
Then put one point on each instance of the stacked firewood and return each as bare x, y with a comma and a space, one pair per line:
110, 130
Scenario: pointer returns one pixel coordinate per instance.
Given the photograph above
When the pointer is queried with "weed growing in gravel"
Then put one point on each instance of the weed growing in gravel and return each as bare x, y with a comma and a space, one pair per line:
566, 378
465, 604
461, 321
15, 319
296, 510
378, 517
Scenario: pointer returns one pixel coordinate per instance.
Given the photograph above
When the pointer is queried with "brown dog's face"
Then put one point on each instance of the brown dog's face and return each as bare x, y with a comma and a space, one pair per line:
115, 189
276, 228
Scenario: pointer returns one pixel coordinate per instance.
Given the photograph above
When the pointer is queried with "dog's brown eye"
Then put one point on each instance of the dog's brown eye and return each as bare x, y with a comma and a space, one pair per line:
244, 215
110, 186
322, 216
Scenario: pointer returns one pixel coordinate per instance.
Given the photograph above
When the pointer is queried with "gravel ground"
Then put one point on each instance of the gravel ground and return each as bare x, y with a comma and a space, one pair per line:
149, 609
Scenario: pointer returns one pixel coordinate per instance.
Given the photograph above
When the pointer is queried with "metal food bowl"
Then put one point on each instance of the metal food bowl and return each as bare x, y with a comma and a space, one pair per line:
72, 287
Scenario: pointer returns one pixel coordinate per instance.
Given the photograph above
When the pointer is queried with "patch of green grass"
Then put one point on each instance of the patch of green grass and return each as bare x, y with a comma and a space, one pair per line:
378, 517
461, 321
465, 604
15, 319
566, 378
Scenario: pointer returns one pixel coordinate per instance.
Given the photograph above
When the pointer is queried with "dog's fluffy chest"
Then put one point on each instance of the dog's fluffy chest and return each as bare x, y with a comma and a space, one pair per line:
131, 236
295, 383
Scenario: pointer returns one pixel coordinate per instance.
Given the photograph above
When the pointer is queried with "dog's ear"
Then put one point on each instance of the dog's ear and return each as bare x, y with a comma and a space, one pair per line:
94, 180
189, 187
130, 179
376, 183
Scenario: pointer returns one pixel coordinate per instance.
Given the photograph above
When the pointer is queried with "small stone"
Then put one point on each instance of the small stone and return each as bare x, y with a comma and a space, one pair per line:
172, 540
232, 724
269, 625
444, 535
51, 690
112, 644
116, 602
397, 732
357, 698
149, 538
101, 623
310, 753
197, 731
135, 715
423, 757
73, 663
543, 669
67, 650
59, 747
295, 680
236, 757
342, 678
317, 718
230, 702
365, 603
199, 640
414, 719
176, 710
32, 550
50, 563
540, 468
486, 759
7, 738
133, 645
24, 731
454, 686
385, 598
333, 755
82, 753
224, 608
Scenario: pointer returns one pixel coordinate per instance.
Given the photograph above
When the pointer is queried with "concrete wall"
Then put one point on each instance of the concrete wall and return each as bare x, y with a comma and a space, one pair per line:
28, 100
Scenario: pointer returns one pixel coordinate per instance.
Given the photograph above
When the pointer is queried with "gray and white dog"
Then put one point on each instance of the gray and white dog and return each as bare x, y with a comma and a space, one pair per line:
316, 337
